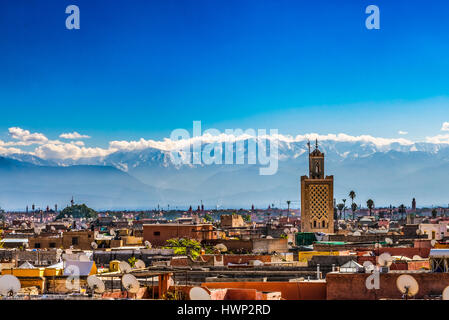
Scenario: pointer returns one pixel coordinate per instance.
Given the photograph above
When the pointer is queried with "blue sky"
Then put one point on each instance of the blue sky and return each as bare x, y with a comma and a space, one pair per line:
143, 68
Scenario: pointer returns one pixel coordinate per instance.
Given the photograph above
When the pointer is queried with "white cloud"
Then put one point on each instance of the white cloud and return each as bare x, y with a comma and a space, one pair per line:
441, 138
68, 151
445, 126
26, 137
402, 132
73, 135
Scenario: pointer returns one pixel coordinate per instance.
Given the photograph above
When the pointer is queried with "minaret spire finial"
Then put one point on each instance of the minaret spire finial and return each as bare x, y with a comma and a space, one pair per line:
316, 143
308, 144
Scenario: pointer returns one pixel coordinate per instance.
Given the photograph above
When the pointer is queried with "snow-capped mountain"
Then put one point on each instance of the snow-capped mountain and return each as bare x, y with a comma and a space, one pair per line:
388, 173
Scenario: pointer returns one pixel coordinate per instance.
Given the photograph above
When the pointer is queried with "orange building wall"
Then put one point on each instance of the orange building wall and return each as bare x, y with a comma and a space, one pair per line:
289, 290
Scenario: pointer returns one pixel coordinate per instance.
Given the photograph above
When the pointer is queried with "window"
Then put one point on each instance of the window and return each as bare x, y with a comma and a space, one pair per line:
156, 233
75, 241
52, 245
37, 245
314, 223
323, 224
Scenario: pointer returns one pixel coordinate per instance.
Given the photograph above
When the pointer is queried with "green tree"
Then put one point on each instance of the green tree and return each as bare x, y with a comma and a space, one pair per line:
77, 211
434, 213
340, 207
370, 205
246, 217
132, 261
184, 246
208, 218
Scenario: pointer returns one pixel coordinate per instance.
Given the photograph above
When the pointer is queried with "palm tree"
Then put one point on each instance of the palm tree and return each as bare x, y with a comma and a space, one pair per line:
402, 211
344, 208
340, 207
354, 209
352, 195
370, 205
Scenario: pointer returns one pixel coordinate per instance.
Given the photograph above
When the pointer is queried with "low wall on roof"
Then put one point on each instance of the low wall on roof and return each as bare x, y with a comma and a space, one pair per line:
338, 285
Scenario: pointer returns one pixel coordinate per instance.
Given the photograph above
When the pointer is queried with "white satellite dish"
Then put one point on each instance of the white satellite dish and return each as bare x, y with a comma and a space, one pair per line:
417, 257
94, 245
9, 285
377, 245
407, 285
83, 257
357, 233
147, 244
95, 284
130, 283
433, 242
112, 232
269, 237
445, 295
389, 241
221, 247
385, 259
139, 264
198, 293
418, 231
59, 251
124, 267
286, 230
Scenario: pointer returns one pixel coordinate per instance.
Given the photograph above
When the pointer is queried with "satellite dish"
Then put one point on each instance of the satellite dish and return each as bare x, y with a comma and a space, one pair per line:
130, 283
221, 247
357, 233
59, 251
198, 293
124, 267
416, 257
445, 295
286, 230
418, 231
407, 285
52, 228
385, 259
95, 284
269, 237
147, 244
433, 242
94, 245
389, 241
377, 245
139, 264
9, 285
112, 232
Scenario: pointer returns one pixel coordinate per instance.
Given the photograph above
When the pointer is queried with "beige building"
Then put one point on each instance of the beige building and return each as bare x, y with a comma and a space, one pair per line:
317, 194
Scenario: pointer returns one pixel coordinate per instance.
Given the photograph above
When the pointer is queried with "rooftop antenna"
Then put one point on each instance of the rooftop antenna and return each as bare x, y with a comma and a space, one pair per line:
407, 285
95, 284
130, 283
199, 293
9, 285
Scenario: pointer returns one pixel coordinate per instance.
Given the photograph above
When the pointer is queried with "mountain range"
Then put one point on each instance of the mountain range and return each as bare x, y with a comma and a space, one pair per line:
391, 173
